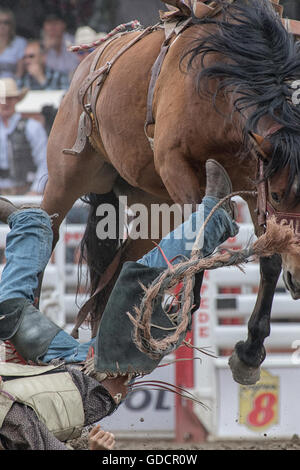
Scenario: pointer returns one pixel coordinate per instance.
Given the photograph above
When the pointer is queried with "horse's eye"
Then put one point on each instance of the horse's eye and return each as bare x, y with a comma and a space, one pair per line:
275, 197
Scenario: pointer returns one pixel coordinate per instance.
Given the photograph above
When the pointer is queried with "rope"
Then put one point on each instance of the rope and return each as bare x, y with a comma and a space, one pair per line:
278, 238
195, 250
134, 25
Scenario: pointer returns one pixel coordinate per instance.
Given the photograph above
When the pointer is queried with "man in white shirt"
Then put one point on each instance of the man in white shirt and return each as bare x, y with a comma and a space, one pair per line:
23, 146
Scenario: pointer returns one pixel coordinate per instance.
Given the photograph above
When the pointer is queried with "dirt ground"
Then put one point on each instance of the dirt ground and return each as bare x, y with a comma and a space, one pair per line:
268, 444
223, 445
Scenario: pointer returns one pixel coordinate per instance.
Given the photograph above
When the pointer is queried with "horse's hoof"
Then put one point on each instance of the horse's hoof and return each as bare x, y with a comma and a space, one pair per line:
243, 374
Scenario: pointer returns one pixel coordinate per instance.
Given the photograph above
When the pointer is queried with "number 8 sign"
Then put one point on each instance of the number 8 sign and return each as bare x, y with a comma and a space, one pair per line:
259, 403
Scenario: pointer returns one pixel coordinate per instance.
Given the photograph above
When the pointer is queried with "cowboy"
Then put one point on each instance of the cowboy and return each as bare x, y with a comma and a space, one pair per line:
55, 40
23, 145
39, 340
12, 46
42, 407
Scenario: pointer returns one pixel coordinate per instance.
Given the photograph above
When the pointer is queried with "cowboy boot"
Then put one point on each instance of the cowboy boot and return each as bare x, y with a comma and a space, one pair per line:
6, 209
218, 185
26, 328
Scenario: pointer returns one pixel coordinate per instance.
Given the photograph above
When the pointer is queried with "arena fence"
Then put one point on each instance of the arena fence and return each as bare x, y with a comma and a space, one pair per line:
269, 409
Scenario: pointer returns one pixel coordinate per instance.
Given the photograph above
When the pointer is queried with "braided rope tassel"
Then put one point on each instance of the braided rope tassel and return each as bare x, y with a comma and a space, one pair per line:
134, 25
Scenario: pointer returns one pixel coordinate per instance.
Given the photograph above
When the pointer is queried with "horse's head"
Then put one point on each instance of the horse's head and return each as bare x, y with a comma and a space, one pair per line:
279, 194
255, 65
249, 61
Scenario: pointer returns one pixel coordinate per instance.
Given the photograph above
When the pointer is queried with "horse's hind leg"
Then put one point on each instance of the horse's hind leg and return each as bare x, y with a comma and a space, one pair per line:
71, 176
248, 355
86, 175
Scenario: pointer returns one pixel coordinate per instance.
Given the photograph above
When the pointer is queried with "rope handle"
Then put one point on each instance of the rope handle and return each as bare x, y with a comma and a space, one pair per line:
195, 250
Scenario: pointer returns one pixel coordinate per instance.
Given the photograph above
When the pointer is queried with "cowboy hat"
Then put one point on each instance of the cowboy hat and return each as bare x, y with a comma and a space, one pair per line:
86, 35
9, 89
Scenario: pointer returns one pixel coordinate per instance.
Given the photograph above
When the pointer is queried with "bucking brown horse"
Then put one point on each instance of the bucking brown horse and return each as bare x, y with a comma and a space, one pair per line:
148, 107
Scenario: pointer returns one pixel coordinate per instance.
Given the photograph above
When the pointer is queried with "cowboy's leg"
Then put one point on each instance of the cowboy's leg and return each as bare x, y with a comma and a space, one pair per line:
180, 242
64, 346
28, 250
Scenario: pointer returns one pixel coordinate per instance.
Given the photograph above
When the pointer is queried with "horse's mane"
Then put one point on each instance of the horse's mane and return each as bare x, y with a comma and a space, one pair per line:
258, 62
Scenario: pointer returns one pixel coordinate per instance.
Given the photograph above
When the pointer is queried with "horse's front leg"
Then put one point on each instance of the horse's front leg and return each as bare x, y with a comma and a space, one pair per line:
179, 176
248, 355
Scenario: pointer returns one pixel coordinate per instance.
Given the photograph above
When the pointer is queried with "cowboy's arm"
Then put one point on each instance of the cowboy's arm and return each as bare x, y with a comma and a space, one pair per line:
22, 430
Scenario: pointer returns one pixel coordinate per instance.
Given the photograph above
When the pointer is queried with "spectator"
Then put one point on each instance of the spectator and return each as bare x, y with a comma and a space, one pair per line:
104, 14
76, 12
107, 14
29, 16
23, 144
86, 35
37, 75
11, 46
55, 41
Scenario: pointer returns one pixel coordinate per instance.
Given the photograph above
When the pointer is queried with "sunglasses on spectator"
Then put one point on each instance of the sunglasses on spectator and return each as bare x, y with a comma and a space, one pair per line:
6, 22
85, 52
29, 56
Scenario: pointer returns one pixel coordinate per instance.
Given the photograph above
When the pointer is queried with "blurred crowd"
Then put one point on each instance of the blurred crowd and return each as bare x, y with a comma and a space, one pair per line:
34, 39
35, 34
41, 62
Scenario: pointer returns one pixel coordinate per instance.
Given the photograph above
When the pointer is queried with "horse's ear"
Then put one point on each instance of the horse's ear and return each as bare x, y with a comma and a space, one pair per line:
258, 138
264, 145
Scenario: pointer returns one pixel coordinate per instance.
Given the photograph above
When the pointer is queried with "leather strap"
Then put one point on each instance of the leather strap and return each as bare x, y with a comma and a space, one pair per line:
265, 210
154, 76
180, 8
288, 217
203, 10
108, 66
88, 121
292, 26
261, 195
177, 29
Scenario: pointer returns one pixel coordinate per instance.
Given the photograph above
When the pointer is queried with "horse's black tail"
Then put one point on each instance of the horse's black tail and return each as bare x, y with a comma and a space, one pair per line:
95, 250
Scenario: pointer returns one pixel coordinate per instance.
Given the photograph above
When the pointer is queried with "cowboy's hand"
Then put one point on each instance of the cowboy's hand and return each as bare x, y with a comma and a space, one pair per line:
101, 440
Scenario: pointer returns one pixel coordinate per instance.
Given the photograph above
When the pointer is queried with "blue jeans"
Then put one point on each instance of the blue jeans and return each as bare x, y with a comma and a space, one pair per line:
179, 243
28, 250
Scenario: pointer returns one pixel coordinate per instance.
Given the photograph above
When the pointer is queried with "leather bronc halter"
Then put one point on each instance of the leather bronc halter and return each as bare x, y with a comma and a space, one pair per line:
265, 210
